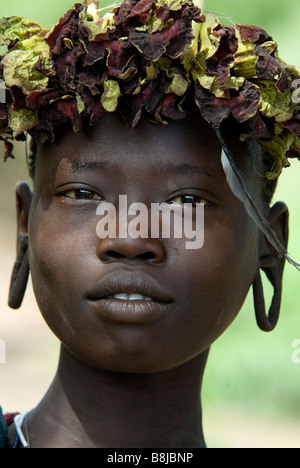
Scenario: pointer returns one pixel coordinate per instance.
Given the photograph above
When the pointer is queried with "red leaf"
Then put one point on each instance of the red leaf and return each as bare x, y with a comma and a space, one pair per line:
8, 150
169, 107
39, 99
123, 11
147, 99
66, 28
213, 109
120, 53
245, 104
267, 67
254, 34
67, 65
96, 51
257, 129
293, 126
139, 14
172, 40
91, 80
98, 112
219, 65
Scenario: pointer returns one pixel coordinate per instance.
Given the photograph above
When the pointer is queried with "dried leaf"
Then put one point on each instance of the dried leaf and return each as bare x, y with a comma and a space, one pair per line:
110, 96
21, 120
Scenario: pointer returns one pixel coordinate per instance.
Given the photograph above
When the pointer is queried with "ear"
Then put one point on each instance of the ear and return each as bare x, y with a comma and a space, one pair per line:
20, 273
23, 203
279, 222
273, 266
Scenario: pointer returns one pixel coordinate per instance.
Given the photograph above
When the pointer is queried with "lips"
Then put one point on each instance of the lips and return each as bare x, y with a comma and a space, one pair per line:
129, 297
129, 286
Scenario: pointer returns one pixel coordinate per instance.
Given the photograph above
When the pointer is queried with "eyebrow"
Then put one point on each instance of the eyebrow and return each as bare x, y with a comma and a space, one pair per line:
79, 165
191, 170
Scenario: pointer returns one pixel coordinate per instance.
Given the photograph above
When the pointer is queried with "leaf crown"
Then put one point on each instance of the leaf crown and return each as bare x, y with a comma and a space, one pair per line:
144, 57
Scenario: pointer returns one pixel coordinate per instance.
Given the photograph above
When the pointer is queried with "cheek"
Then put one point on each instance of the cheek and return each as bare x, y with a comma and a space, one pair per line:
216, 279
60, 251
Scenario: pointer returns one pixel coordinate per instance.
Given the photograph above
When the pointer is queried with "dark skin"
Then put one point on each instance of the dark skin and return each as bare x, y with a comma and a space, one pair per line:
133, 378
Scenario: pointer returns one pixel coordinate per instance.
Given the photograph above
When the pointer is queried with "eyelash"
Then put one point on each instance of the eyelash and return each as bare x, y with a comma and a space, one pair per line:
76, 193
91, 195
196, 200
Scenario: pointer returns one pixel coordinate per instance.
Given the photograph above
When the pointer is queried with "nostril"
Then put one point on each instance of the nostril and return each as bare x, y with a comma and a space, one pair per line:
115, 254
121, 250
146, 256
143, 256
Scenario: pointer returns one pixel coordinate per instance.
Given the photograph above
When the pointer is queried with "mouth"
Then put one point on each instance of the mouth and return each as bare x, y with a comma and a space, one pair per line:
130, 297
129, 286
127, 297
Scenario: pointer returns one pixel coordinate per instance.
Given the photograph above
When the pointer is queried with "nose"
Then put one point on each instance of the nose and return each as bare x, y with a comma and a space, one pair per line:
123, 250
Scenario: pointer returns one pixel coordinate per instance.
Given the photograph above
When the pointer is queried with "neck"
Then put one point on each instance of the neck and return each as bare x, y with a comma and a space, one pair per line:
88, 407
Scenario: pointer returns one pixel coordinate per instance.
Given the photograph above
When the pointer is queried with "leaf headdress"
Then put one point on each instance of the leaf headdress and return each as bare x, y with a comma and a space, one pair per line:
145, 57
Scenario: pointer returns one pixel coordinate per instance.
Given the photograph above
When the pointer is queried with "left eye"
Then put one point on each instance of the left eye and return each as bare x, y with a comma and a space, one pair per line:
82, 194
184, 199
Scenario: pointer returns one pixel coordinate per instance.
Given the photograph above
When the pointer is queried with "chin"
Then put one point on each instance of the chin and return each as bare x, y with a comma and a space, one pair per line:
127, 363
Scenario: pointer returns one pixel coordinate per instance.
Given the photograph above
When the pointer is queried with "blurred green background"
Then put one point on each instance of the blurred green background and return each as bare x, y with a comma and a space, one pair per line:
251, 379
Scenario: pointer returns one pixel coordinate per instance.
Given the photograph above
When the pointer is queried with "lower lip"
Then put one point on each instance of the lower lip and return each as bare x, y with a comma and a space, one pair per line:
134, 312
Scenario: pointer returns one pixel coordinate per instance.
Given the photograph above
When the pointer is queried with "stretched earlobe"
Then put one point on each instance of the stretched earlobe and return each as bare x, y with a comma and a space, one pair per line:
19, 278
267, 323
273, 266
20, 274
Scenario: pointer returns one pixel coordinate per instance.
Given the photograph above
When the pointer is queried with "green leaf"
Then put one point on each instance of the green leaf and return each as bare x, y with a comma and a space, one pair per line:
295, 146
173, 5
209, 43
80, 104
212, 84
274, 103
278, 148
245, 60
19, 65
178, 86
99, 27
22, 120
18, 29
110, 96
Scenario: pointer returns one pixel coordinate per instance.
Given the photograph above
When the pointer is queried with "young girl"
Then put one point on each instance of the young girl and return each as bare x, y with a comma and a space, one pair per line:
211, 122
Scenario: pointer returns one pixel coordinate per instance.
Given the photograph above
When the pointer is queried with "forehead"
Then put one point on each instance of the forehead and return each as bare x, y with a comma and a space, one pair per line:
180, 148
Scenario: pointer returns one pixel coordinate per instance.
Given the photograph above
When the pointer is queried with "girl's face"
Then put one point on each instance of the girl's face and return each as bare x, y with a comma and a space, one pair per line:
95, 293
